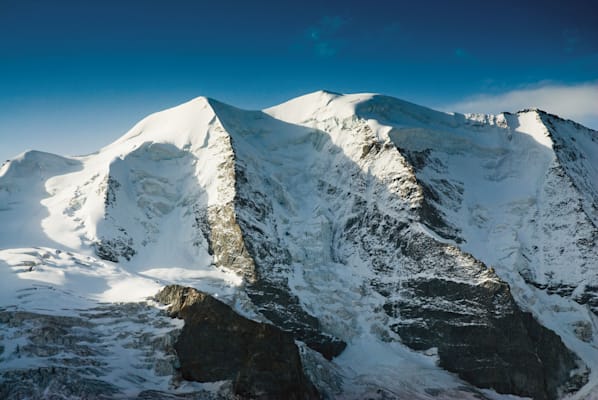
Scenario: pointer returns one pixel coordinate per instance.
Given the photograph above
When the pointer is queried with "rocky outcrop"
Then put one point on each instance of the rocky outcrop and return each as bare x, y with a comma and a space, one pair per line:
496, 347
275, 301
114, 249
218, 344
226, 242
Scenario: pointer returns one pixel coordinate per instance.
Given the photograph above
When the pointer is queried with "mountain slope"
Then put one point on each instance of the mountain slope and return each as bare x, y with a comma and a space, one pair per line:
395, 242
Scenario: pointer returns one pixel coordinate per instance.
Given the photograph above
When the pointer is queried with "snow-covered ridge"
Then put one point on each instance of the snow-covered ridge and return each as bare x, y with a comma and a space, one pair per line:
344, 218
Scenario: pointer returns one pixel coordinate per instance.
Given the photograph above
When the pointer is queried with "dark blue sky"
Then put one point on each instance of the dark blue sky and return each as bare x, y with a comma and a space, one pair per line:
75, 75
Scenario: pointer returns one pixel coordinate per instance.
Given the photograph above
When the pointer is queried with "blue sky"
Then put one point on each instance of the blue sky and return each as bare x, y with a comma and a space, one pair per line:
75, 75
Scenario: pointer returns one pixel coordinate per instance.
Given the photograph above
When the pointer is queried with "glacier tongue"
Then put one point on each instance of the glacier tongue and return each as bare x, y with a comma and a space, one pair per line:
393, 241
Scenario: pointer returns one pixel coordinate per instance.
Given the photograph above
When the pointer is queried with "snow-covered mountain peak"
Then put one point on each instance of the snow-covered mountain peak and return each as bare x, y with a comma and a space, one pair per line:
33, 163
394, 241
318, 105
183, 126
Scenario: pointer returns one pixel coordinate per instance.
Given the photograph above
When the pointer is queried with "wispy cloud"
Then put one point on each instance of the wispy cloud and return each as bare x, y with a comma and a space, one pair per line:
324, 37
577, 102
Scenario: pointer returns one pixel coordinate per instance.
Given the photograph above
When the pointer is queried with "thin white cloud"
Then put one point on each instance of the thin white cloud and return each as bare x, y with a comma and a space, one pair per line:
576, 102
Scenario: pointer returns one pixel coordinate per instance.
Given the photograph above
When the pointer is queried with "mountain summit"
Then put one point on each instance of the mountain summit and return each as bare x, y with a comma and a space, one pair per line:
407, 253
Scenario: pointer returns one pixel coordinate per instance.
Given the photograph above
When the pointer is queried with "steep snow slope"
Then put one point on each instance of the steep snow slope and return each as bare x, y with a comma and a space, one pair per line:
365, 225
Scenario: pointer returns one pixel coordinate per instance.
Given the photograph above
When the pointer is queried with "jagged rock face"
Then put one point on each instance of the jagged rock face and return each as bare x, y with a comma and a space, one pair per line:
218, 344
351, 224
573, 147
499, 347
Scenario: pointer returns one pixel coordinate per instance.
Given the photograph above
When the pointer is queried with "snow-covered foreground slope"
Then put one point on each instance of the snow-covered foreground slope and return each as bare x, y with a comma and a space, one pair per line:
413, 254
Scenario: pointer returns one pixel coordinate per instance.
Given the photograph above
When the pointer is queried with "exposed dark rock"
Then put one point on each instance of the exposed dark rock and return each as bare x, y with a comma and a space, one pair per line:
433, 218
284, 310
589, 297
226, 242
583, 330
113, 249
112, 186
430, 214
218, 344
562, 290
497, 347
418, 159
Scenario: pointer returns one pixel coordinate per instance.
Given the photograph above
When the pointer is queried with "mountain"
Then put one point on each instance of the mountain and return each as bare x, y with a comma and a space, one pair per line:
408, 253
